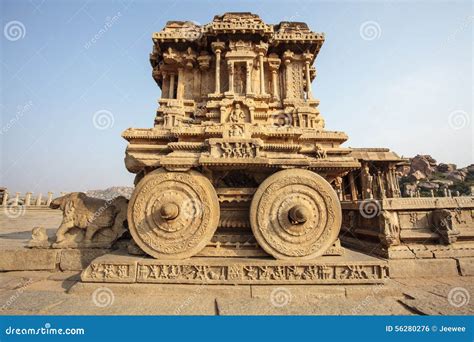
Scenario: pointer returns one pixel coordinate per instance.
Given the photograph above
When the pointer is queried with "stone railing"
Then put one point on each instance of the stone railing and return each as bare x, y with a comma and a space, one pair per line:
27, 199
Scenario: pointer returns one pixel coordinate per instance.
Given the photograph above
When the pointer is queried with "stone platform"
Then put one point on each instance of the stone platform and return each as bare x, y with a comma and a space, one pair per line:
352, 268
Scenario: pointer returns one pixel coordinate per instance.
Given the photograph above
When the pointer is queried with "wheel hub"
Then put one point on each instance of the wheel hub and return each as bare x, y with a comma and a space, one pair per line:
169, 211
298, 214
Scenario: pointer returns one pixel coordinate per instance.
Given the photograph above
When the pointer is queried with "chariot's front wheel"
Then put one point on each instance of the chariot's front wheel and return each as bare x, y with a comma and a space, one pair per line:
173, 215
295, 214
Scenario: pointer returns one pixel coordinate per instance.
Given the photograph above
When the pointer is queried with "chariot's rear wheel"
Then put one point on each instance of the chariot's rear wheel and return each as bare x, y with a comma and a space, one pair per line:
173, 215
295, 214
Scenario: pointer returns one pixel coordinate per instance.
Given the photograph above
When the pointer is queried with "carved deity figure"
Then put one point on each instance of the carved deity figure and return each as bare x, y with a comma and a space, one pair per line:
320, 152
236, 131
240, 79
237, 115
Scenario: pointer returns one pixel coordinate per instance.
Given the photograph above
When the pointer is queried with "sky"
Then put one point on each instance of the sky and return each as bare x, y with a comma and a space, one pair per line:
75, 74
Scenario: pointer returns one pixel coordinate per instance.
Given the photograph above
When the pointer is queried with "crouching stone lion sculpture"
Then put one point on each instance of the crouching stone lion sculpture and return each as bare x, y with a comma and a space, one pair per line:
89, 222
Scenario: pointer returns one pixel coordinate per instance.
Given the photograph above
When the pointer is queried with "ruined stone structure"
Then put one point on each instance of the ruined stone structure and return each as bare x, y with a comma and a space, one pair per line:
238, 143
378, 220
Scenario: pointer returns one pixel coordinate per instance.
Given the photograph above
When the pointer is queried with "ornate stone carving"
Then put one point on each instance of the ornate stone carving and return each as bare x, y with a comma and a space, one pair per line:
173, 214
390, 229
295, 214
237, 105
237, 149
87, 221
443, 225
39, 238
227, 271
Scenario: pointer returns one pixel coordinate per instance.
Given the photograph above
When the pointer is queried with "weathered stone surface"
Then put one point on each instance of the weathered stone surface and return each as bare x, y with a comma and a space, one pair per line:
350, 268
241, 107
422, 268
78, 259
88, 222
300, 292
285, 304
423, 163
28, 259
442, 167
466, 266
165, 290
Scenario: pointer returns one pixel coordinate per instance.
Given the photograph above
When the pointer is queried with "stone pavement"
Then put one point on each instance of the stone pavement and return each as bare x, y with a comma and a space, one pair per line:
60, 293
54, 292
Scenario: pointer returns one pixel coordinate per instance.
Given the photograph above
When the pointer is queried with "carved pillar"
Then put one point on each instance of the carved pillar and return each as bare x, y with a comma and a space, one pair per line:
262, 73
180, 88
352, 187
171, 90
5, 198
17, 199
50, 198
381, 184
230, 68
287, 57
366, 182
28, 198
248, 84
261, 49
274, 65
308, 58
38, 199
217, 47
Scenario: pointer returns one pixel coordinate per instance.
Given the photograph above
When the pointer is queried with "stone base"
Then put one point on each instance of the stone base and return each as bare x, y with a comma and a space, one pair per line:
224, 246
464, 249
33, 259
423, 268
352, 268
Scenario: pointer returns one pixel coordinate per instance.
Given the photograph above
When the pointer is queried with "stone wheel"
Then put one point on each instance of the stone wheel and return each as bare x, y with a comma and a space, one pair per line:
295, 214
173, 215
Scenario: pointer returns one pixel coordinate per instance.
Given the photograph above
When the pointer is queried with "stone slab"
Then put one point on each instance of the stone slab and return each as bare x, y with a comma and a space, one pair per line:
28, 259
350, 268
300, 292
165, 290
289, 305
422, 268
466, 266
78, 259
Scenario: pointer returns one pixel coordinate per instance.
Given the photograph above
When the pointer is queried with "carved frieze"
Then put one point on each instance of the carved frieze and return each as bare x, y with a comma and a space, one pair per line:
242, 271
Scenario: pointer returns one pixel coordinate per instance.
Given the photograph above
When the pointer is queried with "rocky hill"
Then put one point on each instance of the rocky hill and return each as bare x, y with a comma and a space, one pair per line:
422, 173
112, 192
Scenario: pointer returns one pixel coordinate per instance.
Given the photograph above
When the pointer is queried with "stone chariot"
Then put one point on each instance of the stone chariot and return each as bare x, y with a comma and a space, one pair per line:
238, 155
